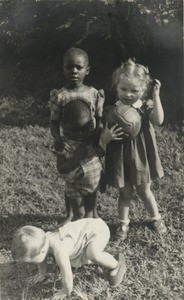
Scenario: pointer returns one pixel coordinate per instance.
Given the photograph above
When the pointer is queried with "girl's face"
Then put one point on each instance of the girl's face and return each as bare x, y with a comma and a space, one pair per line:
75, 68
129, 90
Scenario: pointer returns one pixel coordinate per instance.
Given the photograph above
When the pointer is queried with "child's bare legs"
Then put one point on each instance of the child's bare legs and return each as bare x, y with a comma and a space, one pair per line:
78, 208
95, 213
91, 205
146, 195
69, 209
96, 254
69, 212
125, 197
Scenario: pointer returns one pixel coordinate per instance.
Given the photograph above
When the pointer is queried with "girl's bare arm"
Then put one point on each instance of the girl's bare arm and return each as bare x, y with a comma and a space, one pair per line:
157, 114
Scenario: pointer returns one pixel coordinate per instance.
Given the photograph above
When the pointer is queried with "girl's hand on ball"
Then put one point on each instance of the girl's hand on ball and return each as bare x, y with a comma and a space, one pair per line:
115, 133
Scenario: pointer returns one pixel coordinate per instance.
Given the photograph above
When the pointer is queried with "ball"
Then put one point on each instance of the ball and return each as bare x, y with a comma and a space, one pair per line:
127, 117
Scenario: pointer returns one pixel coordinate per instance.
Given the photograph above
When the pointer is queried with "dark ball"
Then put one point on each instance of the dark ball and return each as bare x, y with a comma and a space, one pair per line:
127, 117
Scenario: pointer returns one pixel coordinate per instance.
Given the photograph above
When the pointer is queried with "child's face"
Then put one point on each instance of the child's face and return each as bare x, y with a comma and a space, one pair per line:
80, 131
129, 90
38, 258
75, 68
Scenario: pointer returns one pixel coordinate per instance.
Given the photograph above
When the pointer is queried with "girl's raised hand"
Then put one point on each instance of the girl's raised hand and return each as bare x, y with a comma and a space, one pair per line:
156, 89
115, 133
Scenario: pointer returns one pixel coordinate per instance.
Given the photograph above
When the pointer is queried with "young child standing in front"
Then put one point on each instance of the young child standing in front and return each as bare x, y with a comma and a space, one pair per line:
75, 69
79, 160
135, 162
73, 245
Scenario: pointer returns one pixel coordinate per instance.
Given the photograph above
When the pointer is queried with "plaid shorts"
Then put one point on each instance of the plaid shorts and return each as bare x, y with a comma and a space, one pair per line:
85, 179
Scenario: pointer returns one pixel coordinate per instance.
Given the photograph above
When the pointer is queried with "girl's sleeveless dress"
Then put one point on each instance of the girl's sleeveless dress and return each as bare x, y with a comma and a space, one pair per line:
135, 161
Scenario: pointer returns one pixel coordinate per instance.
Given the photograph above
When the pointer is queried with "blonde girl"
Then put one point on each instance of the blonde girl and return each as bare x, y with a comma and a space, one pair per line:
134, 163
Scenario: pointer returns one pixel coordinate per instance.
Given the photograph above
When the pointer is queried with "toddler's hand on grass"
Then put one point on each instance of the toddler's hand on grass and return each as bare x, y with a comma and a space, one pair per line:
37, 278
115, 133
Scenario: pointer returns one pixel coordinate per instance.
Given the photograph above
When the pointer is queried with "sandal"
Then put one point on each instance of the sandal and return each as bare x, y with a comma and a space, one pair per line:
159, 226
121, 232
115, 280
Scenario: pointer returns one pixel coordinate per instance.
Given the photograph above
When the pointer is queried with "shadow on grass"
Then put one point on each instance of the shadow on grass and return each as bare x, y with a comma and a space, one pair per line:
15, 280
9, 224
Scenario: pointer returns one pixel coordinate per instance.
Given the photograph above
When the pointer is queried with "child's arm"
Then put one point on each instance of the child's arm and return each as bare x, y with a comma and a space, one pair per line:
65, 166
63, 261
55, 111
156, 116
54, 128
42, 268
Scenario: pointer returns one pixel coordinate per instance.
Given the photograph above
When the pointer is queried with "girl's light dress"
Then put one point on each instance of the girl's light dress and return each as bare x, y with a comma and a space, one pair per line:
134, 160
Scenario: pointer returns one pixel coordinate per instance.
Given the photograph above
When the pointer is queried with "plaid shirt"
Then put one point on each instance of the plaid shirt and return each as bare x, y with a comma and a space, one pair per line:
85, 178
59, 98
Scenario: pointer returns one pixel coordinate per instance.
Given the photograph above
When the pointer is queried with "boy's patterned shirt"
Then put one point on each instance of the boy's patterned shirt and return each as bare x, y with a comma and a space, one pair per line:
59, 98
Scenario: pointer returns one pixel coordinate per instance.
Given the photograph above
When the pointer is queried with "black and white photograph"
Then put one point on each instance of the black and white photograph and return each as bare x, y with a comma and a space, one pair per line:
91, 150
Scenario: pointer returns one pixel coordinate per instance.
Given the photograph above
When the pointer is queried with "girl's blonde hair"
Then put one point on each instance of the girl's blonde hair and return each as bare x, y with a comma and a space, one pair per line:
131, 69
27, 241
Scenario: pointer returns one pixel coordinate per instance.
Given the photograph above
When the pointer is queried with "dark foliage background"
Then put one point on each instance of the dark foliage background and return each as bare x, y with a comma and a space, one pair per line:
35, 34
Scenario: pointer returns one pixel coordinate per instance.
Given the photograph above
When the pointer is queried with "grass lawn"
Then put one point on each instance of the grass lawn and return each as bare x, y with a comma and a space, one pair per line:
32, 192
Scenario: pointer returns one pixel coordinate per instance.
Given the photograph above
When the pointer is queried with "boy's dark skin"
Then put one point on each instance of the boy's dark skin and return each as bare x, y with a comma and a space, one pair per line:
75, 68
66, 166
78, 130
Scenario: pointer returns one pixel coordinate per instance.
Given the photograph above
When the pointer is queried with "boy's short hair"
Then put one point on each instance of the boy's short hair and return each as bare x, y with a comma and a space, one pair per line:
75, 50
27, 240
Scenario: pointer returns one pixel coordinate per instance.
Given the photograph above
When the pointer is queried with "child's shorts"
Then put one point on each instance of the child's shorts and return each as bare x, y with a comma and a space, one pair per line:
85, 180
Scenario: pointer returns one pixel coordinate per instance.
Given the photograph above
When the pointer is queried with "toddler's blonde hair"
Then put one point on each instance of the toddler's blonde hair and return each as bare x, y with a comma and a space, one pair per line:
131, 69
27, 242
